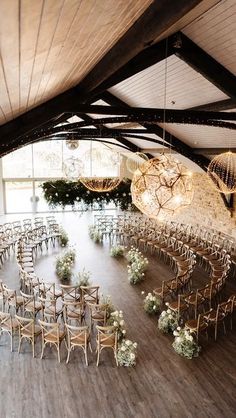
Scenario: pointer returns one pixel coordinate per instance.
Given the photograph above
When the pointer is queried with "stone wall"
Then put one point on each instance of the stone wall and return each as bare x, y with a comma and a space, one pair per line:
207, 208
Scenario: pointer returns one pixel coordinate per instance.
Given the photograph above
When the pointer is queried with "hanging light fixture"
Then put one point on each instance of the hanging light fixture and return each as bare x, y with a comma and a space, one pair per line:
72, 143
103, 169
222, 172
135, 161
72, 168
161, 185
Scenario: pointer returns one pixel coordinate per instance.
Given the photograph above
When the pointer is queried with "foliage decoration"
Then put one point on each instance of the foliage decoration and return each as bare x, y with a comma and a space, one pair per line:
184, 344
127, 352
151, 303
63, 237
95, 234
137, 267
64, 264
75, 194
83, 278
117, 321
117, 251
168, 321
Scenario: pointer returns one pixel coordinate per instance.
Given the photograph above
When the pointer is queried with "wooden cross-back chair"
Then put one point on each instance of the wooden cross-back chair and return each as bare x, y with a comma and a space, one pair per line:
78, 337
27, 331
52, 334
106, 338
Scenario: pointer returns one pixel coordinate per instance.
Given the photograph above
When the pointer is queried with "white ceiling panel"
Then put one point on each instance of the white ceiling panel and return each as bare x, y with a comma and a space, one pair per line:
198, 136
184, 87
215, 32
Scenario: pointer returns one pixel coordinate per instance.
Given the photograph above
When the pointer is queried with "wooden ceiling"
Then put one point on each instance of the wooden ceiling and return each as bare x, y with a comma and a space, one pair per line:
48, 46
57, 55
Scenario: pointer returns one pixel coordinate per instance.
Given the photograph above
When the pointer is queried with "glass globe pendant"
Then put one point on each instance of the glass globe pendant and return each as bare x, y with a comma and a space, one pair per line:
161, 186
222, 172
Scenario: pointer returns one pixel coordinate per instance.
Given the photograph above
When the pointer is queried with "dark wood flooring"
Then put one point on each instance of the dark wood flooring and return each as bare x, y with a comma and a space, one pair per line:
162, 385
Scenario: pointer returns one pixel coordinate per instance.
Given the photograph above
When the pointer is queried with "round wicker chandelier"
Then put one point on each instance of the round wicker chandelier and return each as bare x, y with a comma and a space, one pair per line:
72, 144
135, 161
72, 168
161, 186
100, 184
222, 171
103, 170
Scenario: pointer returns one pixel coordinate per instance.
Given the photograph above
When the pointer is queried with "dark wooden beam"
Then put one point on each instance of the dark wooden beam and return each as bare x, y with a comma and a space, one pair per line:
172, 140
121, 139
207, 66
140, 62
159, 17
219, 106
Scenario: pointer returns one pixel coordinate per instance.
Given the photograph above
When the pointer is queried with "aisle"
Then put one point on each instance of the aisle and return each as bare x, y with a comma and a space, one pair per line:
161, 383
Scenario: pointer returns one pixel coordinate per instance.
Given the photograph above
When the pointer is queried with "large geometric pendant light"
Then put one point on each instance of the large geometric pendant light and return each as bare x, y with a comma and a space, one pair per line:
222, 172
161, 186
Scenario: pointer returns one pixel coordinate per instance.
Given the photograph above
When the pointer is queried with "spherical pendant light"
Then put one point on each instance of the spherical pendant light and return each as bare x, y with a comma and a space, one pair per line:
72, 144
222, 171
100, 184
161, 186
73, 168
135, 161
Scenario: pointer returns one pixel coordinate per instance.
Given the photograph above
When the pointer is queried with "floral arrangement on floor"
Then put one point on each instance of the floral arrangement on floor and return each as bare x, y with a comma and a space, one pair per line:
127, 353
137, 265
168, 321
151, 303
184, 344
106, 300
83, 278
65, 192
117, 320
63, 237
64, 264
117, 251
95, 234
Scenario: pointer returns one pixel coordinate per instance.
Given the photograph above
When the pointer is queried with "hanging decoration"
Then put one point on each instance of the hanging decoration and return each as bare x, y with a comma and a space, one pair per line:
72, 144
72, 168
103, 169
222, 172
161, 186
135, 161
63, 192
100, 184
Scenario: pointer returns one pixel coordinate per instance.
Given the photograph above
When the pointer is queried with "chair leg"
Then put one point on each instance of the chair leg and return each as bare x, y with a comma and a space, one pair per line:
86, 356
98, 355
19, 345
58, 353
43, 346
68, 355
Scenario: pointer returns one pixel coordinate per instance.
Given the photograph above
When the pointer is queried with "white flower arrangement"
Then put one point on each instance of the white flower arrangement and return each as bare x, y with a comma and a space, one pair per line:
83, 278
168, 321
151, 304
64, 264
95, 234
184, 344
117, 320
117, 251
106, 300
127, 353
137, 266
63, 237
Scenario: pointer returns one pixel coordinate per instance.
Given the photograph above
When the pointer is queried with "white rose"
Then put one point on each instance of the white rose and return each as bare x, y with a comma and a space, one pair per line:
128, 342
168, 311
123, 331
178, 328
154, 307
122, 322
142, 293
175, 333
135, 345
178, 339
123, 348
115, 323
132, 356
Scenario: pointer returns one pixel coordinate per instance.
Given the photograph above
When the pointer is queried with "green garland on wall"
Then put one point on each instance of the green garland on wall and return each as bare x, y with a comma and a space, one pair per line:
75, 194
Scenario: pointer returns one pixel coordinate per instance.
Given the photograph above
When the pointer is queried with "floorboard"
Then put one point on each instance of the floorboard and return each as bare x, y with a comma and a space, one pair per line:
162, 385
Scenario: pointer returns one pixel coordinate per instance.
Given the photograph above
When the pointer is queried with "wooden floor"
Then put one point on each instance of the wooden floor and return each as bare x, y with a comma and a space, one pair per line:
162, 385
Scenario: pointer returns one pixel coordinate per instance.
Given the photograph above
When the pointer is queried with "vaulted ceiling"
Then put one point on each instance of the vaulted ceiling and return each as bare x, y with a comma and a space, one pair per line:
141, 73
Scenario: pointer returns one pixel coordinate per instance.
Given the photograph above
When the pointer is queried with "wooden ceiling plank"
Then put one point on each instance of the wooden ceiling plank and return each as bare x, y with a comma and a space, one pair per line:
203, 63
10, 52
140, 35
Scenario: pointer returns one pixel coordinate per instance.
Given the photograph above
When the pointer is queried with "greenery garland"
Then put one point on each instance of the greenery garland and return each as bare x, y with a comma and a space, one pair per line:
64, 192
